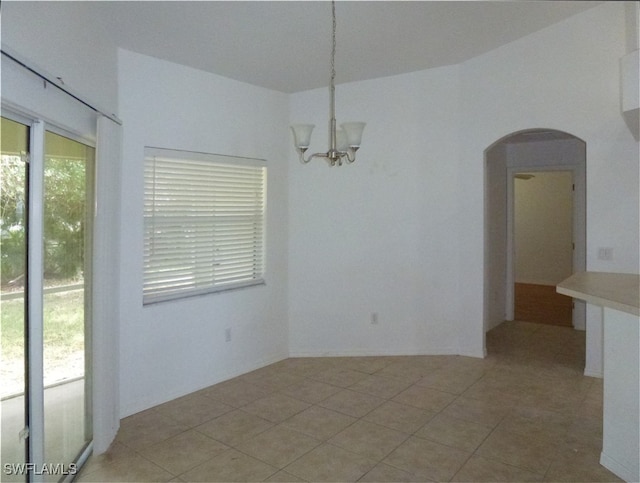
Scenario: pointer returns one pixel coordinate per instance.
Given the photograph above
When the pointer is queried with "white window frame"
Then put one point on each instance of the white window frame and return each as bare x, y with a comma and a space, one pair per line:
204, 223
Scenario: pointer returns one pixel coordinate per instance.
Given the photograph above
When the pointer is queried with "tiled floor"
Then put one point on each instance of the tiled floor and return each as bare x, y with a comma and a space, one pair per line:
525, 413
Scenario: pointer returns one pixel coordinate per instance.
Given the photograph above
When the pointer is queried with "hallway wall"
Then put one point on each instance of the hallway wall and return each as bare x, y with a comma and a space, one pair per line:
543, 215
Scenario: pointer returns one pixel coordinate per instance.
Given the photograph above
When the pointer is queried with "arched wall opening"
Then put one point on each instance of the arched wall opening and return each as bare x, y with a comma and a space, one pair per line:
528, 151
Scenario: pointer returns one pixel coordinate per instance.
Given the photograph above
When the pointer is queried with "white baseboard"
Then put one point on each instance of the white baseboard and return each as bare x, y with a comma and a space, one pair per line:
618, 469
368, 353
589, 372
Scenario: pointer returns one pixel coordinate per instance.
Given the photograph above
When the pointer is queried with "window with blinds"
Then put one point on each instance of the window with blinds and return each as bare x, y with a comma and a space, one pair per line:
204, 223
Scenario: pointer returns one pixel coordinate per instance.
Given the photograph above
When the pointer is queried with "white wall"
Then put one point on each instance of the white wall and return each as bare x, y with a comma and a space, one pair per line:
378, 236
564, 77
543, 217
65, 39
401, 232
495, 303
173, 348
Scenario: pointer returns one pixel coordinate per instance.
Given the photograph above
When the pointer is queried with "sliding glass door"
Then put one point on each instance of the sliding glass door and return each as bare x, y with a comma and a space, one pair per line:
14, 148
46, 327
67, 228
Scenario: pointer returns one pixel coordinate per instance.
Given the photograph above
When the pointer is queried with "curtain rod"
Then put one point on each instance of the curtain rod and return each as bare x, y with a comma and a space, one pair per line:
56, 82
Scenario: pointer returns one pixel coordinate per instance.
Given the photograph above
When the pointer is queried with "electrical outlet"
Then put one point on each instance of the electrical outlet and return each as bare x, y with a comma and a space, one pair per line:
227, 334
605, 253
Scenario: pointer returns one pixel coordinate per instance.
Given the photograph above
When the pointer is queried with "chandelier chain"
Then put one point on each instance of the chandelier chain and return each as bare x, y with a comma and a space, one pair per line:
343, 143
333, 45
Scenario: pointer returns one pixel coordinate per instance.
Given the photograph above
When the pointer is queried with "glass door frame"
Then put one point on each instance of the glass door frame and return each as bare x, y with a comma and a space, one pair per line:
34, 295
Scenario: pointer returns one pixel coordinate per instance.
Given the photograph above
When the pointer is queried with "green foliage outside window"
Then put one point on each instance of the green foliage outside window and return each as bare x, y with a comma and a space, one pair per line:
64, 218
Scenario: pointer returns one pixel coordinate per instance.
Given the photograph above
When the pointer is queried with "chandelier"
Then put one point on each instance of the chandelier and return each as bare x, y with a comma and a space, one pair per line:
343, 142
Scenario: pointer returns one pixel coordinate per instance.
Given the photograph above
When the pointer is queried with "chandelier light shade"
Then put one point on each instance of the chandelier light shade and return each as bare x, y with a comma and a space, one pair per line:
343, 142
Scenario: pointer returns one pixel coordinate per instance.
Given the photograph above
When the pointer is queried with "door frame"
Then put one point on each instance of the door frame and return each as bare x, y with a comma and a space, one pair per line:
34, 288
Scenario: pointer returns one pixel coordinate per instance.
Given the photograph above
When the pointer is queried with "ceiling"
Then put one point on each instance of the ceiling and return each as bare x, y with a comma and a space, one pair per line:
285, 45
533, 135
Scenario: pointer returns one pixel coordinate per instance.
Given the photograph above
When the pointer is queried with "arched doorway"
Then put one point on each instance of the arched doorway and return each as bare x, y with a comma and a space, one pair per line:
507, 160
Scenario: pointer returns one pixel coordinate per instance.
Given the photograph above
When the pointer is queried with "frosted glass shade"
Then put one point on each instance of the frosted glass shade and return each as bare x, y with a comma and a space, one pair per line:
341, 140
354, 132
302, 134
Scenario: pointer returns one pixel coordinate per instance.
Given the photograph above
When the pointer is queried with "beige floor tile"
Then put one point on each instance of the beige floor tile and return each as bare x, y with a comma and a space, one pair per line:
272, 378
302, 366
235, 393
403, 370
461, 434
537, 422
146, 428
276, 407
546, 414
567, 387
504, 376
330, 463
234, 427
383, 473
478, 411
400, 417
430, 363
384, 387
465, 364
590, 409
427, 459
230, 466
193, 410
573, 464
369, 439
279, 446
484, 391
311, 391
132, 467
183, 452
479, 469
551, 402
368, 365
352, 403
525, 451
597, 387
284, 477
454, 380
318, 422
339, 377
116, 452
585, 432
425, 398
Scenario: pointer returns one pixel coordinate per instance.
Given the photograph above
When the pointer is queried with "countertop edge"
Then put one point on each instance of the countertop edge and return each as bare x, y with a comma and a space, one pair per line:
618, 291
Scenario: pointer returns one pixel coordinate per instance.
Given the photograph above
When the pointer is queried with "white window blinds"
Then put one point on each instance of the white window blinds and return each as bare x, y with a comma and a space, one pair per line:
204, 223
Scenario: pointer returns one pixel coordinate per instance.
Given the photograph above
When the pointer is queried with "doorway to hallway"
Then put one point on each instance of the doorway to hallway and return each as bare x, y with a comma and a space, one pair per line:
530, 154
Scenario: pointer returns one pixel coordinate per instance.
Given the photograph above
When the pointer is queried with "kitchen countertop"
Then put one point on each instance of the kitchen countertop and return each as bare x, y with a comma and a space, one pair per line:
619, 291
